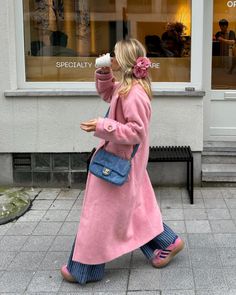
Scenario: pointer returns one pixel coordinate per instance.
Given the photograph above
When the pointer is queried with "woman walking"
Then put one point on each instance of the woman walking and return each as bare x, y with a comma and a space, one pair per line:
119, 219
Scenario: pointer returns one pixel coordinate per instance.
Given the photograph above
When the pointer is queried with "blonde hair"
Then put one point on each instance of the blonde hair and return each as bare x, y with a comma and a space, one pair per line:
126, 53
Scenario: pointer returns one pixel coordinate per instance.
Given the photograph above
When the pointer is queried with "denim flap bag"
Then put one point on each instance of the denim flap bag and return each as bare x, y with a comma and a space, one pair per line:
110, 167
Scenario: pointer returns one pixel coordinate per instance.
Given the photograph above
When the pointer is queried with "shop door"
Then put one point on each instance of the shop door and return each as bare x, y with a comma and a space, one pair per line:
220, 75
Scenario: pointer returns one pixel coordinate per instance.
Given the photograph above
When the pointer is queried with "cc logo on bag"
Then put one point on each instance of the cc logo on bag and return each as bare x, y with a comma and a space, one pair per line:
106, 171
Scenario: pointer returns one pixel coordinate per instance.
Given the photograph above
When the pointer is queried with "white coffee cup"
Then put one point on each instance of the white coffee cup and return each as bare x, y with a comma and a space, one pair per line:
103, 61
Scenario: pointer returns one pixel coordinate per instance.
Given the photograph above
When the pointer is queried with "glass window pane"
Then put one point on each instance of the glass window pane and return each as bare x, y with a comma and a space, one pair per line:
63, 37
223, 47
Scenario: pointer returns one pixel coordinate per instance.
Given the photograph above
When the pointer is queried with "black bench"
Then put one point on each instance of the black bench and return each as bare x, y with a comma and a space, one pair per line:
175, 154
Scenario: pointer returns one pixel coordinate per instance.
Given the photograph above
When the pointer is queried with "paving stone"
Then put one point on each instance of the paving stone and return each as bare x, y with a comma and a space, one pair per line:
55, 215
181, 277
19, 281
27, 261
181, 260
120, 262
218, 214
198, 226
144, 279
225, 240
62, 204
144, 293
40, 293
114, 280
177, 226
139, 261
41, 204
195, 214
198, 204
5, 227
5, 259
82, 293
109, 293
38, 243
47, 228
78, 204
22, 228
69, 194
197, 193
215, 203
168, 203
231, 203
169, 192
54, 260
32, 192
233, 213
227, 256
48, 194
69, 229
216, 292
74, 215
204, 257
62, 243
45, 281
233, 191
172, 214
212, 193
209, 278
223, 226
32, 215
178, 292
201, 241
230, 276
12, 243
208, 259
227, 194
68, 288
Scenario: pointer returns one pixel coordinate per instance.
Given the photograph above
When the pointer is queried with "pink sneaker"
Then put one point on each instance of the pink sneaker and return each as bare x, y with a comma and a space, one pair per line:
163, 257
66, 274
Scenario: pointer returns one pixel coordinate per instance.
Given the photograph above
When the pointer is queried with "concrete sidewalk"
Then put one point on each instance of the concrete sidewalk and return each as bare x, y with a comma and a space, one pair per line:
33, 248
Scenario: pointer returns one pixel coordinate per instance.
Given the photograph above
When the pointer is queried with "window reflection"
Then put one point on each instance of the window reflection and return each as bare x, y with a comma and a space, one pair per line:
224, 48
63, 37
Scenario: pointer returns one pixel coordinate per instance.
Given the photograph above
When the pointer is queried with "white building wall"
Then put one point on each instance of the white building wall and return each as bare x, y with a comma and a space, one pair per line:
41, 124
52, 124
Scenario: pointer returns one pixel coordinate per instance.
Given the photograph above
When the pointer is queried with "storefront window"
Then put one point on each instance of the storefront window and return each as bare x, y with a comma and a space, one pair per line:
63, 37
224, 47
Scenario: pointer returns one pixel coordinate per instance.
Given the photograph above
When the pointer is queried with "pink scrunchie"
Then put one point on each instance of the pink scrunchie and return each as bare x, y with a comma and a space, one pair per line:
140, 69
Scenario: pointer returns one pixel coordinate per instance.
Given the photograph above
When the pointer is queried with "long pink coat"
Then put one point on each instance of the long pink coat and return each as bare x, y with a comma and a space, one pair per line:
118, 219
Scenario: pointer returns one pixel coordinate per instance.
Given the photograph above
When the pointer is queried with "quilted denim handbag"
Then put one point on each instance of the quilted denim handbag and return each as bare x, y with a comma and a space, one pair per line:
110, 167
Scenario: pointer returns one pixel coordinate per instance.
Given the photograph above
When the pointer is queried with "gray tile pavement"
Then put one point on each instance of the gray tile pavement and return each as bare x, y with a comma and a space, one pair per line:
33, 248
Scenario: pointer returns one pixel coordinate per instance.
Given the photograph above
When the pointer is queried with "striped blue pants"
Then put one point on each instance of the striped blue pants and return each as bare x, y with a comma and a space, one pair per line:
84, 273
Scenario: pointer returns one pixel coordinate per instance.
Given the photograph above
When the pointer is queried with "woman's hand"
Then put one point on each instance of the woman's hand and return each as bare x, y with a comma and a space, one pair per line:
89, 126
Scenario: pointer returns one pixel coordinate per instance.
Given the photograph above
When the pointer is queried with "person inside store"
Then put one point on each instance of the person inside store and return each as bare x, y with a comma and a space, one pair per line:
155, 47
225, 36
116, 220
58, 46
227, 41
36, 46
173, 38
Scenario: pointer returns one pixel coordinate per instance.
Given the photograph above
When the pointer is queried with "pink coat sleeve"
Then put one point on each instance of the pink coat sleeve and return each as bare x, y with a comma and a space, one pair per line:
137, 112
105, 85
